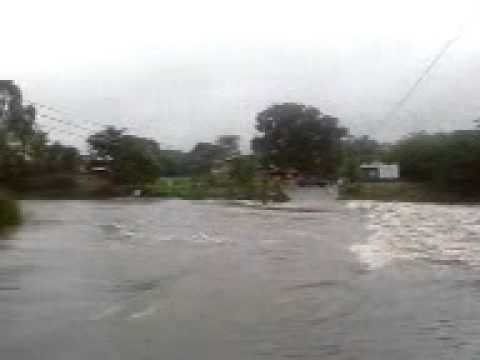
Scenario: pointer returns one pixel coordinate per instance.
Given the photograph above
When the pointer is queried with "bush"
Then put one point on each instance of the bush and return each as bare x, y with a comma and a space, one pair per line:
9, 213
159, 188
449, 162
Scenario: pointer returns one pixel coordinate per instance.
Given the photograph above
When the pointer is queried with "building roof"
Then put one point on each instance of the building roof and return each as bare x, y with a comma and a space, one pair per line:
376, 164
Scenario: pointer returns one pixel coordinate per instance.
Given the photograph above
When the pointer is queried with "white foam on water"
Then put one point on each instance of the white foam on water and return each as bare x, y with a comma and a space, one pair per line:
203, 238
408, 231
150, 310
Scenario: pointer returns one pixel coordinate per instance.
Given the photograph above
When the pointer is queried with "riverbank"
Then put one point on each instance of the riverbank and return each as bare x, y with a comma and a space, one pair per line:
65, 186
84, 187
212, 188
404, 192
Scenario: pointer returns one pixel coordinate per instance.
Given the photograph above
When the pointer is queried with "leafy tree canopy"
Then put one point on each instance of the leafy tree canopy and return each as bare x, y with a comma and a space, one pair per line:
229, 145
298, 136
134, 160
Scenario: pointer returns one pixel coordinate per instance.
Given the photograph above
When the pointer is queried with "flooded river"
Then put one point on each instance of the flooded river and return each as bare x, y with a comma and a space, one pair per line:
170, 279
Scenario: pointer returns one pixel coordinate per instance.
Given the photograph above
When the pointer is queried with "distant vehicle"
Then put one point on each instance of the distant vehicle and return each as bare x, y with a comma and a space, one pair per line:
312, 180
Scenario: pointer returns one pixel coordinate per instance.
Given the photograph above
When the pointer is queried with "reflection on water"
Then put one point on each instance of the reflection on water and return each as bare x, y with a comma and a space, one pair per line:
176, 280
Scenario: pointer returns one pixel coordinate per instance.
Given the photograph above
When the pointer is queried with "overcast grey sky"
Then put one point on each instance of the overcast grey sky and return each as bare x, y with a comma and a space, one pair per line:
185, 71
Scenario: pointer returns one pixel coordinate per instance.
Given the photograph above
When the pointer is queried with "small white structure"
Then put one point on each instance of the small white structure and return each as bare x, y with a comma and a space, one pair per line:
137, 193
380, 171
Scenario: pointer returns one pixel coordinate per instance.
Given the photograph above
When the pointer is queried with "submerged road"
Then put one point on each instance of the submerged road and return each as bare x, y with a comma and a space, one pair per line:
170, 279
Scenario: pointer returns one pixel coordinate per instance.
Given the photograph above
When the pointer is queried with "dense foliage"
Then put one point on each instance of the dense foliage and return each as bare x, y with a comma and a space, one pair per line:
25, 151
447, 160
299, 137
134, 160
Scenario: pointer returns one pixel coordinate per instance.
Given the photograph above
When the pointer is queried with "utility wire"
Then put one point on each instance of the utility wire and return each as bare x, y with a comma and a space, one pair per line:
80, 131
411, 91
63, 113
52, 129
90, 123
66, 123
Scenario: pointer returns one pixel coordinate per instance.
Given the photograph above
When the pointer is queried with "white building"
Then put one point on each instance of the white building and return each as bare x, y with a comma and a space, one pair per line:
380, 171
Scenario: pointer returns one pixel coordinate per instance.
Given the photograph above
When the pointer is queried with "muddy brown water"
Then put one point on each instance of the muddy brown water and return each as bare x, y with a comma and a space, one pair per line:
153, 279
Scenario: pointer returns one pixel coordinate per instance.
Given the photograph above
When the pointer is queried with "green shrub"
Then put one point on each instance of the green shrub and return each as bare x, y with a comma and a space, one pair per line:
9, 213
161, 187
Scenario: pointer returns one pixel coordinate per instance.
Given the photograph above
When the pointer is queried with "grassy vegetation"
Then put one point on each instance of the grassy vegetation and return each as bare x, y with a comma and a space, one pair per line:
211, 187
9, 213
402, 191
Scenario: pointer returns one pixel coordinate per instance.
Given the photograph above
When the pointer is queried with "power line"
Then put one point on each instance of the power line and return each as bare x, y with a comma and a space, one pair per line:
61, 121
63, 126
61, 112
91, 122
87, 126
52, 129
66, 123
423, 75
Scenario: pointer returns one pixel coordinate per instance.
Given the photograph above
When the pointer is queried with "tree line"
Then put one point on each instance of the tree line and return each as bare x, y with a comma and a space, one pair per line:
289, 136
447, 161
25, 150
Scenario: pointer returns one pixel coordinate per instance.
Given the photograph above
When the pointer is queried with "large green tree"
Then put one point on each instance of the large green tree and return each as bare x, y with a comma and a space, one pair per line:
203, 157
229, 145
61, 158
19, 119
134, 160
20, 141
174, 163
298, 136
